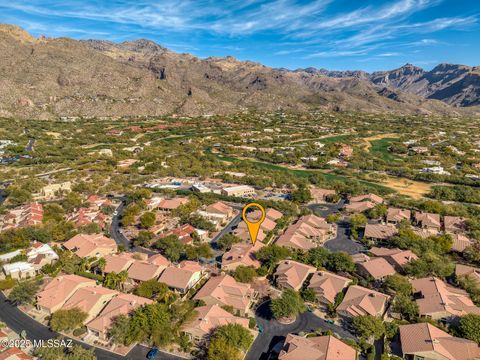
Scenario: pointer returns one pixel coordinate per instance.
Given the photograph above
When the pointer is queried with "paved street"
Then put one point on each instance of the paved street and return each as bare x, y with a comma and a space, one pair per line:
275, 332
118, 236
18, 321
342, 241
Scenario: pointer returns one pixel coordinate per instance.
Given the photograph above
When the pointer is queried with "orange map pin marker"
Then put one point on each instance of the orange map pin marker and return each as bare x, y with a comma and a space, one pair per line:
253, 227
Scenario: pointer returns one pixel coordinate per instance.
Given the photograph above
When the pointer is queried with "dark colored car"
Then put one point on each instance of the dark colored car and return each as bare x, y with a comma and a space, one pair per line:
152, 353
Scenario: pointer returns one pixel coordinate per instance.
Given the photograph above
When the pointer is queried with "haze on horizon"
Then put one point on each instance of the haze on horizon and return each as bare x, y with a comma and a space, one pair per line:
332, 34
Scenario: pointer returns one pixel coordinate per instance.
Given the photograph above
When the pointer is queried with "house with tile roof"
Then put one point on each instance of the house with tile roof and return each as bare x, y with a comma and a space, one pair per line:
327, 285
307, 233
321, 195
325, 347
224, 290
182, 277
23, 216
292, 274
439, 300
56, 292
428, 221
470, 271
360, 206
359, 301
167, 205
91, 245
273, 214
14, 353
207, 319
396, 257
123, 304
460, 242
218, 213
378, 232
183, 232
453, 224
396, 215
87, 216
367, 197
425, 341
118, 262
144, 270
376, 268
242, 232
241, 254
90, 299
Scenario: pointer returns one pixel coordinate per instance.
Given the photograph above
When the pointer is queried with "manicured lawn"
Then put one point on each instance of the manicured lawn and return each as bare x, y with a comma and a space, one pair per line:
301, 173
380, 149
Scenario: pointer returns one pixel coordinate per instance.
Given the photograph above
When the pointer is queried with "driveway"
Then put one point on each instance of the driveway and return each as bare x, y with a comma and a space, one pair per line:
275, 332
18, 321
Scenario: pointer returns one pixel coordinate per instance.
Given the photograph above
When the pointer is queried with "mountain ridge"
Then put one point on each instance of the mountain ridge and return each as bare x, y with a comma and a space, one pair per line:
53, 77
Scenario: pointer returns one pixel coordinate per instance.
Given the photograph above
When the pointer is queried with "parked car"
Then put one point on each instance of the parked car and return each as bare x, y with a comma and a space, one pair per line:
152, 353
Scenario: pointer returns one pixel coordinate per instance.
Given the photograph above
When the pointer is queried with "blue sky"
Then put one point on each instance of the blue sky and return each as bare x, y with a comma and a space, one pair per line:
333, 34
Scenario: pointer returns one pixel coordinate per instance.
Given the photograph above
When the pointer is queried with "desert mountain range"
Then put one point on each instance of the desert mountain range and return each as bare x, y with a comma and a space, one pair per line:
54, 77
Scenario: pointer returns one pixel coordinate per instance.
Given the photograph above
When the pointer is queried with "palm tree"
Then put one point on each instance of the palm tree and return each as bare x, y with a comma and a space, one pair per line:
111, 280
122, 279
101, 263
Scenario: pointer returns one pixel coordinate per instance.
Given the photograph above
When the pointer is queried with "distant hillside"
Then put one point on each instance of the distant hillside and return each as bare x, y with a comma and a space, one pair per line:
457, 85
46, 78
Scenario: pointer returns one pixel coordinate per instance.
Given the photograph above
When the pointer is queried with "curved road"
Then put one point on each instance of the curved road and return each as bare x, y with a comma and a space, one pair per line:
19, 321
275, 332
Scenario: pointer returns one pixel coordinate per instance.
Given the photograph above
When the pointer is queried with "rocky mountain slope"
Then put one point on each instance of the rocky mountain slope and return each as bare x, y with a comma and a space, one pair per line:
457, 85
47, 78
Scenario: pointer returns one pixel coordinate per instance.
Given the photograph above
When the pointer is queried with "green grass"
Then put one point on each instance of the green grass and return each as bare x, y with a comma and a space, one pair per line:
302, 173
380, 149
327, 140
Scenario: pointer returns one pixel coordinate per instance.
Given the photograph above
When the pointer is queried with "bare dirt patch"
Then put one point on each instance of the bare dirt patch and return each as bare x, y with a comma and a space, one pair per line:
414, 189
53, 134
368, 140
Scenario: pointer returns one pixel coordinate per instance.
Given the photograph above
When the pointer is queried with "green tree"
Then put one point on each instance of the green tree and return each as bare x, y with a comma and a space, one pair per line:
333, 218
219, 349
318, 256
368, 326
144, 238
288, 305
404, 305
272, 254
308, 294
120, 330
469, 327
152, 289
65, 320
379, 211
398, 283
24, 292
234, 335
195, 252
358, 221
227, 241
430, 264
147, 220
171, 247
301, 195
245, 274
340, 261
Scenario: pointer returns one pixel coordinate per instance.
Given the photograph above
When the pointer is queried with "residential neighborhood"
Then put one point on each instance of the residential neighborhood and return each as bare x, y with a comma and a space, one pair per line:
157, 255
